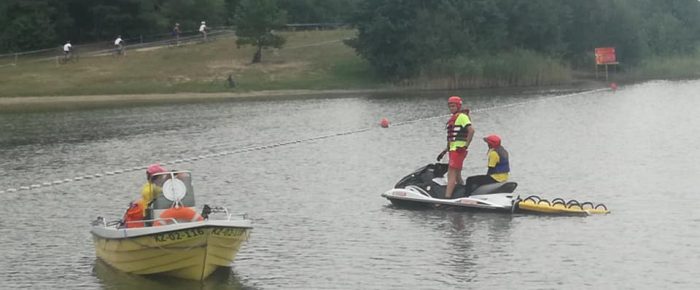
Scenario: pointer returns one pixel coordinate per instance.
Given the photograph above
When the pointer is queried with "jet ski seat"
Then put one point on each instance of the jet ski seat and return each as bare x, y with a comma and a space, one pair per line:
440, 184
500, 187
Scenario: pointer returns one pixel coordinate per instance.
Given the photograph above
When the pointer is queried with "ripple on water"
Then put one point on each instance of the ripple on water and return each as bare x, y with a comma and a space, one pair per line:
319, 221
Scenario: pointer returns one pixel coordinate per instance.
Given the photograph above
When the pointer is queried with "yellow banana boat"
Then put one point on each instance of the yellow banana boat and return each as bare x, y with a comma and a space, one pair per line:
536, 204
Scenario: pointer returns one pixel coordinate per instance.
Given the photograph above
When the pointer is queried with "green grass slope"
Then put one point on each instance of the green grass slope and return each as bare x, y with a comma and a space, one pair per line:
309, 60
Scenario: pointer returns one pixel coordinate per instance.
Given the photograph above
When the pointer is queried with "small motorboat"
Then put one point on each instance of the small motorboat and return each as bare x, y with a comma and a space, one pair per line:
426, 188
174, 239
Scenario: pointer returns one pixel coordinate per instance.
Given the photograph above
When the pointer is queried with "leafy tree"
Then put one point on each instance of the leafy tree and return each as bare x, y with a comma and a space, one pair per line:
189, 13
400, 37
104, 19
488, 22
537, 25
318, 11
602, 23
672, 26
255, 22
230, 11
32, 24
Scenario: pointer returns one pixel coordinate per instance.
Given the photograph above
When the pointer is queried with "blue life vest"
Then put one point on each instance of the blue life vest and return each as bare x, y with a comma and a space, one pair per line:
502, 166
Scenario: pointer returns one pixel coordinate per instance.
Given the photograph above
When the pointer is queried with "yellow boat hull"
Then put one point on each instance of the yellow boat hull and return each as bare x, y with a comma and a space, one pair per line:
189, 253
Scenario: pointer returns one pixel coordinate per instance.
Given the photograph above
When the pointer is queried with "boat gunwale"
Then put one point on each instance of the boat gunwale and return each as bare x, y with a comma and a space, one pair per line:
113, 233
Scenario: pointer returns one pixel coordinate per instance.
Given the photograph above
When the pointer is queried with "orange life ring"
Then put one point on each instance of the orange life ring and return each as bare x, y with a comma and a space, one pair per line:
181, 214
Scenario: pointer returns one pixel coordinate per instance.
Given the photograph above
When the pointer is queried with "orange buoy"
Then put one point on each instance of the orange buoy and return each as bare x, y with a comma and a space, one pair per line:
384, 122
180, 214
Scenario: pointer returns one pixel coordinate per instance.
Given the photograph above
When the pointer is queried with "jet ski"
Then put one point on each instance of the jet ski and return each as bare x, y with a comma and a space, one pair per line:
425, 188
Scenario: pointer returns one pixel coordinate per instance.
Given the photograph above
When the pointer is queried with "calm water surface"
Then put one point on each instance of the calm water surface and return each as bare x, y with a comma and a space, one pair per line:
319, 220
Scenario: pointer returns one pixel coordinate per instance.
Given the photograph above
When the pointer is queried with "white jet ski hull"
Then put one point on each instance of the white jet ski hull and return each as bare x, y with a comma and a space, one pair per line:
415, 197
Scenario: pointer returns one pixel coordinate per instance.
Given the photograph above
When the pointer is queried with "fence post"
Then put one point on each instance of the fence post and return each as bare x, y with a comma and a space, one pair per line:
15, 63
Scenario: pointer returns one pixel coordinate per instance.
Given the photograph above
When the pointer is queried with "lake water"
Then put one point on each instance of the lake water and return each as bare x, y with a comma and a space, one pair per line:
319, 220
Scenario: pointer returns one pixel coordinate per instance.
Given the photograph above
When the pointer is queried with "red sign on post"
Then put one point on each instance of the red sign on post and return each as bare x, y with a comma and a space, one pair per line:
605, 55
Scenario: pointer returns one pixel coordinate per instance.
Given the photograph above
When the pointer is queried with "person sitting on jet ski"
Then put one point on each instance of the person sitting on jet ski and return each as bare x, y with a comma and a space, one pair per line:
498, 165
459, 135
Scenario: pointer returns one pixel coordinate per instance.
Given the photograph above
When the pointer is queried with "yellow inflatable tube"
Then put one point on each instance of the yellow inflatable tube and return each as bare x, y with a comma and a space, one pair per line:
535, 204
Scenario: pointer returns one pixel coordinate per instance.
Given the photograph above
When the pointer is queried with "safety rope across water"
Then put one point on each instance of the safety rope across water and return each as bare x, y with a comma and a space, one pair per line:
270, 146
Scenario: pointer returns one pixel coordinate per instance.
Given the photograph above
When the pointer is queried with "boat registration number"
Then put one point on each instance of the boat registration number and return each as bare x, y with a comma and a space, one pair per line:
179, 235
227, 232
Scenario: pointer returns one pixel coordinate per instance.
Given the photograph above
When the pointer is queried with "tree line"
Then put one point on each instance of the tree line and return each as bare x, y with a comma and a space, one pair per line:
36, 24
400, 38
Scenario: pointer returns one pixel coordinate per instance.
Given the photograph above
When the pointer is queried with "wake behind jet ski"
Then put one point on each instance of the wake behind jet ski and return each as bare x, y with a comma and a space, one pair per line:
425, 188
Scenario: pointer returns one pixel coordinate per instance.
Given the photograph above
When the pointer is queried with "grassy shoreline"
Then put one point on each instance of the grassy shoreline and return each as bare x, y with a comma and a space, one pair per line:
58, 103
313, 63
313, 60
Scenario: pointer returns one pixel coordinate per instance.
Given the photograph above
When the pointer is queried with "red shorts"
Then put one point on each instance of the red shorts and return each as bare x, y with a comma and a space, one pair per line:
457, 158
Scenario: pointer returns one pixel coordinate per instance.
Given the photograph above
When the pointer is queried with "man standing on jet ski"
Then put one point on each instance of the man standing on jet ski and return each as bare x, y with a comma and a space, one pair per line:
498, 165
459, 135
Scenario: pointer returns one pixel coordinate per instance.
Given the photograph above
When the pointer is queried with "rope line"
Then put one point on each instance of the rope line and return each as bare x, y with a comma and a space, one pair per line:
270, 146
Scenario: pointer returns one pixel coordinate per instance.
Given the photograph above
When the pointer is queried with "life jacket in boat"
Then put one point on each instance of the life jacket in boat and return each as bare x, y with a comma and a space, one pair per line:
180, 214
133, 218
503, 165
457, 130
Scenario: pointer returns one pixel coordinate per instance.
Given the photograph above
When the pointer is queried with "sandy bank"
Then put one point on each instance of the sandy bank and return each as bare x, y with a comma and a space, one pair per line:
24, 104
50, 103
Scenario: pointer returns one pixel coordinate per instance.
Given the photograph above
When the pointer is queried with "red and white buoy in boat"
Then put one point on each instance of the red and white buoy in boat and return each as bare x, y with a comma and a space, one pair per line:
613, 86
384, 122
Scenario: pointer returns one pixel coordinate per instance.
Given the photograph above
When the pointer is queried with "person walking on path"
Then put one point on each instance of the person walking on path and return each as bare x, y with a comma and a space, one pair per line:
176, 33
119, 45
67, 50
203, 30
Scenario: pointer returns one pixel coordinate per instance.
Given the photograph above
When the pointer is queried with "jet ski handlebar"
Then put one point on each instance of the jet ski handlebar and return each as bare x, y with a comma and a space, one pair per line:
442, 154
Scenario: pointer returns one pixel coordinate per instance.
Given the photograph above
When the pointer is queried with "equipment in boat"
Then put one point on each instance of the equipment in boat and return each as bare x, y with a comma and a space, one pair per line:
558, 206
181, 243
426, 188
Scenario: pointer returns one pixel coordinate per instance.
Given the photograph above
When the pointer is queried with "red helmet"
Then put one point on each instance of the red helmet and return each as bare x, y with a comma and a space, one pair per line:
154, 168
493, 141
455, 100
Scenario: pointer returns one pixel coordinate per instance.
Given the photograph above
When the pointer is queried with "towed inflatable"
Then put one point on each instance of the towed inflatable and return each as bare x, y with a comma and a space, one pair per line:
558, 206
425, 188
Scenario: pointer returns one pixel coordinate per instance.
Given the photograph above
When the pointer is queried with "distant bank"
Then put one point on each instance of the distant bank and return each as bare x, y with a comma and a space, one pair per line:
54, 103
23, 104
312, 63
